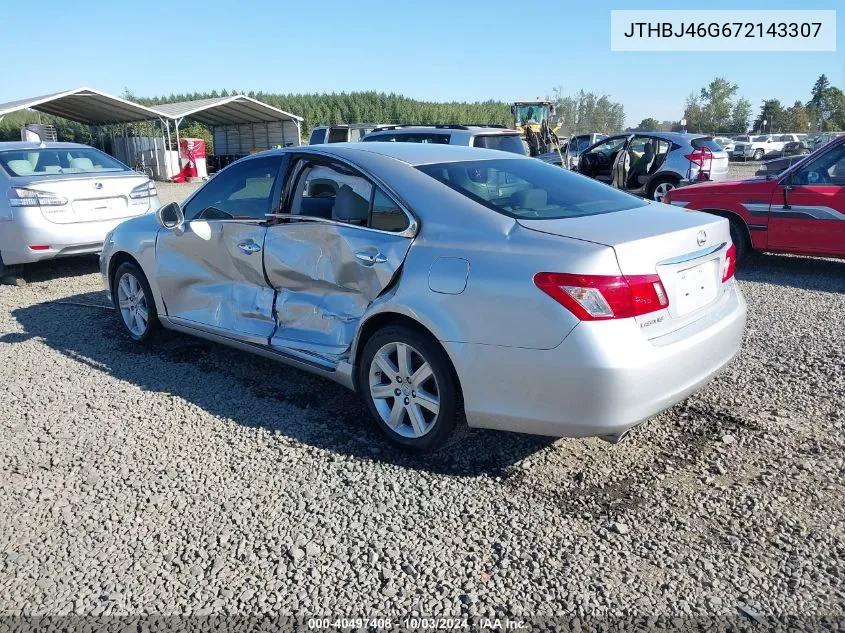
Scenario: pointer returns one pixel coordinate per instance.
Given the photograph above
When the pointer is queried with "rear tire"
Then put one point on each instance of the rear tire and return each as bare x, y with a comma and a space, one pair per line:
660, 187
740, 240
134, 303
758, 154
417, 414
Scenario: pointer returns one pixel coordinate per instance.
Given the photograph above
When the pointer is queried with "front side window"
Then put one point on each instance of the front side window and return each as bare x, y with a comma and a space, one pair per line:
47, 162
536, 191
827, 169
338, 192
242, 191
609, 146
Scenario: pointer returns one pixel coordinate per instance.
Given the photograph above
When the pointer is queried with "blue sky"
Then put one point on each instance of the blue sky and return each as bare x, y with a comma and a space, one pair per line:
434, 49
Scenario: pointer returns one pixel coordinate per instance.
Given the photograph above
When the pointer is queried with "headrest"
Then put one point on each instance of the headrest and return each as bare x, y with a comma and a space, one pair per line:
82, 163
350, 207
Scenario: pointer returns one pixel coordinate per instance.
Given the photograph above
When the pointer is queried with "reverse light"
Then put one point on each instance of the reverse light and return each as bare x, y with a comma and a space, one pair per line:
21, 197
730, 263
147, 190
599, 297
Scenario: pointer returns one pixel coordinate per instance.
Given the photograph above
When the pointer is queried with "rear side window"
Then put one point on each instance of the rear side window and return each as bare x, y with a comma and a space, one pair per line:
707, 143
399, 137
318, 136
502, 142
530, 189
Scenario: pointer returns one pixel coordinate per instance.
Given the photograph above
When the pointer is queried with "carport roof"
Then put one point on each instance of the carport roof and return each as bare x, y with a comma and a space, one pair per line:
225, 111
84, 105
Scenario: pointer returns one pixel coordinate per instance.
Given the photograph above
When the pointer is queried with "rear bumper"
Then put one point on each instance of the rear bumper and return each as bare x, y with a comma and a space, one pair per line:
29, 228
603, 379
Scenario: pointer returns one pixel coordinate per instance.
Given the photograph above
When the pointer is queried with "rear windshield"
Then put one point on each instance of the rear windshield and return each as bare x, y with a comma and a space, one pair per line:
51, 161
708, 143
502, 142
530, 189
744, 139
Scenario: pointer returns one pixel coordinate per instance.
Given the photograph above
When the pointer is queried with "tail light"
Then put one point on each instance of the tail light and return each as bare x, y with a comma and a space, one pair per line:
20, 197
147, 190
730, 263
599, 297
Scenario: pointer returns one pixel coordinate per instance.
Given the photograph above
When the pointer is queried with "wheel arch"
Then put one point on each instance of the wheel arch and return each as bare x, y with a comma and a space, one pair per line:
118, 258
383, 319
733, 216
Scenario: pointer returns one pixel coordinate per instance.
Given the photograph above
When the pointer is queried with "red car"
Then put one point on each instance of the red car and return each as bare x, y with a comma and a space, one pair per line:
800, 211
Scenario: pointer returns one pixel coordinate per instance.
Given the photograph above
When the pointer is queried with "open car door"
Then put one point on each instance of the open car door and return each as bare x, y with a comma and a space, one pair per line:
337, 245
622, 165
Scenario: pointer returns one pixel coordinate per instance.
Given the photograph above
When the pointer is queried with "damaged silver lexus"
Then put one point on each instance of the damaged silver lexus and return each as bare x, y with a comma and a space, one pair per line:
441, 282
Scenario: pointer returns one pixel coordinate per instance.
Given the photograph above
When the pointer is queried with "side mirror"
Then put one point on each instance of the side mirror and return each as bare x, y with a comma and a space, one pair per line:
170, 216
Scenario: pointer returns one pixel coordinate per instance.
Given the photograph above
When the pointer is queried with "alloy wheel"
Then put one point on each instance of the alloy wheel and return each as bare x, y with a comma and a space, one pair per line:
132, 303
404, 390
661, 190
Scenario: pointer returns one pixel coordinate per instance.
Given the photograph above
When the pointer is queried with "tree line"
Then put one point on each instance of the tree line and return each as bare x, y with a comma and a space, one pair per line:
717, 108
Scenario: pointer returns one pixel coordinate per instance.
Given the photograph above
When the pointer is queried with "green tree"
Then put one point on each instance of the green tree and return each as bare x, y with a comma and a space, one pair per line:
587, 112
817, 92
773, 114
740, 115
648, 124
797, 119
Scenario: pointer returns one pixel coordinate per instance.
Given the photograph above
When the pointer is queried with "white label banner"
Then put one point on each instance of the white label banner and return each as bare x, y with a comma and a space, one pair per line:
706, 30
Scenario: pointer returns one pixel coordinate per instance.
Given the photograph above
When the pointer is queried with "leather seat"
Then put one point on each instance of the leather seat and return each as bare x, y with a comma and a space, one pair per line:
641, 167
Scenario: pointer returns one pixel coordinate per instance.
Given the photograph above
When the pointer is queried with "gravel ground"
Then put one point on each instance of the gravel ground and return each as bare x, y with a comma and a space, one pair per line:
196, 479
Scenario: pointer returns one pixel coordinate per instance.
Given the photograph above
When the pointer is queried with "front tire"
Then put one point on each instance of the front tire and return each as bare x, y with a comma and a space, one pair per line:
409, 387
740, 240
133, 300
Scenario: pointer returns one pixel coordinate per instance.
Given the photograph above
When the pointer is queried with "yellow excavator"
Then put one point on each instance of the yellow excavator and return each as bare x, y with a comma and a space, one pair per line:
533, 119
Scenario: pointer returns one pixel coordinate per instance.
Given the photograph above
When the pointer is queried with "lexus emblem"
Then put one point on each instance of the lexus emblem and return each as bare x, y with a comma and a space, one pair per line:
98, 185
701, 238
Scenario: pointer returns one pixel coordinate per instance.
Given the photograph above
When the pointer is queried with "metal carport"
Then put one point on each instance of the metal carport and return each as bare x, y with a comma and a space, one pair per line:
84, 105
240, 124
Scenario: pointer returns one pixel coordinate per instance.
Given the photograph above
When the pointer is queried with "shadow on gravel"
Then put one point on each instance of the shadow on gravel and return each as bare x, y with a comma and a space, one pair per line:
335, 419
60, 268
806, 273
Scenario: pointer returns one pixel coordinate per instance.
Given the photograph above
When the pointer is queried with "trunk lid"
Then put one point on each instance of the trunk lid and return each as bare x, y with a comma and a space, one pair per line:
90, 198
685, 249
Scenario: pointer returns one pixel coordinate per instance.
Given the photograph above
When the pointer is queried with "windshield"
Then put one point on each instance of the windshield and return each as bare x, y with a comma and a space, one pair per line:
52, 161
531, 113
530, 189
742, 138
503, 142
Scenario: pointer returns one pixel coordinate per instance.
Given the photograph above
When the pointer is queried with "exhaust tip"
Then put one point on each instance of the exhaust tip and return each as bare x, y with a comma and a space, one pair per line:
615, 438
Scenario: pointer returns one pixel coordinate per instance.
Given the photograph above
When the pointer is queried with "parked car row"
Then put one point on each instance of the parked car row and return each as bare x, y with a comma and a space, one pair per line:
368, 263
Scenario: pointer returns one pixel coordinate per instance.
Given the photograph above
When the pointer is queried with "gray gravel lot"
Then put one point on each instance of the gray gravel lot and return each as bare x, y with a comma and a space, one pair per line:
196, 479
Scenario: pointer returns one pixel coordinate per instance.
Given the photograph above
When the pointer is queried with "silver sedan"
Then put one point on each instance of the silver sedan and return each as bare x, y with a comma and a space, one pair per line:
442, 281
61, 199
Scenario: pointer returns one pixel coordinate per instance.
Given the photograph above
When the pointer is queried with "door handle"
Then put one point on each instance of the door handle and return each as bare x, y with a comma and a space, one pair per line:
370, 257
249, 247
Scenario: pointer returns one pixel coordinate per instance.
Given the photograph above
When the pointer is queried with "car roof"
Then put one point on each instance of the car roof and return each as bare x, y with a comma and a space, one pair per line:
410, 153
36, 145
445, 128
